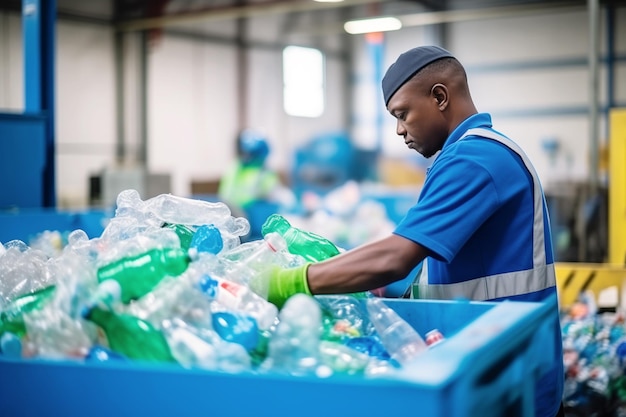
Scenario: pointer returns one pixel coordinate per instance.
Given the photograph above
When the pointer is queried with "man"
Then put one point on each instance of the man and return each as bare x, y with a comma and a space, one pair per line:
248, 180
480, 224
250, 188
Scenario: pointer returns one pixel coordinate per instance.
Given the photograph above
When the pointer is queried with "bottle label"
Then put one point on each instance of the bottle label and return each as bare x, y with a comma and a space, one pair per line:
227, 293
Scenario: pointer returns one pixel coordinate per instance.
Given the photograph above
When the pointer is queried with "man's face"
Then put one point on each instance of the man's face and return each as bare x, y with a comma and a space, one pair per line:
419, 118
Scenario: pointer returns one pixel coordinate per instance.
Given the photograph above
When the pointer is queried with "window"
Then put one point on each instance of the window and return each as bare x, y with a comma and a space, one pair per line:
303, 81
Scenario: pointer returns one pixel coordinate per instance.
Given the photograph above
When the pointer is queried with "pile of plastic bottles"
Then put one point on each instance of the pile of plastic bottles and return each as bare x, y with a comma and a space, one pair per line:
594, 356
170, 281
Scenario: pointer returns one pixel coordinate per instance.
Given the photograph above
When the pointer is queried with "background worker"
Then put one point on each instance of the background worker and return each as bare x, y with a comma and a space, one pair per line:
249, 187
480, 224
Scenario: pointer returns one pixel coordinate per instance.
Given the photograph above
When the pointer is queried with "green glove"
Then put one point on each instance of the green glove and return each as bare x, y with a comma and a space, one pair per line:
283, 283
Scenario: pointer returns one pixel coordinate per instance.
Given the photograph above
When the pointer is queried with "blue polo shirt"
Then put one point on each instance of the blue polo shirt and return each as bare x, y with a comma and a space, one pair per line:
474, 210
475, 215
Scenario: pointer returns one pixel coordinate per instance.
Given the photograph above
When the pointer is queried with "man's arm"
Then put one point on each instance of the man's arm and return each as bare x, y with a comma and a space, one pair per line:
367, 267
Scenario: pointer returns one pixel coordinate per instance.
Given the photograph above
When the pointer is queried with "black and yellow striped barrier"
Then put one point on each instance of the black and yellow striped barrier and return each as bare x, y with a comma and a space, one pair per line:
574, 278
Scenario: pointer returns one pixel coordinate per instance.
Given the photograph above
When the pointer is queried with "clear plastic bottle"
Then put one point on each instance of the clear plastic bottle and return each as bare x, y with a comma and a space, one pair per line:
343, 359
310, 246
239, 297
174, 297
249, 260
174, 209
402, 341
203, 348
295, 344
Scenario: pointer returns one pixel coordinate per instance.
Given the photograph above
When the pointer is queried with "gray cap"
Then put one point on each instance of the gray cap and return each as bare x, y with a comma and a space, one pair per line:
407, 65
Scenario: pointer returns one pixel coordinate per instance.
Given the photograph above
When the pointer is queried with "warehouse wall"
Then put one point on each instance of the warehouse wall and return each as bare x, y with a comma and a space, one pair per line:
532, 74
529, 72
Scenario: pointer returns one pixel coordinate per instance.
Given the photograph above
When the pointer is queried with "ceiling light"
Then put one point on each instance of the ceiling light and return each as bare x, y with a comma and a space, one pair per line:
379, 24
328, 1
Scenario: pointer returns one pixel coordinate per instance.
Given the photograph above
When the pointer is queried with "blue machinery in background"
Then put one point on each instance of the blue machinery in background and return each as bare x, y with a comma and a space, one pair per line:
27, 140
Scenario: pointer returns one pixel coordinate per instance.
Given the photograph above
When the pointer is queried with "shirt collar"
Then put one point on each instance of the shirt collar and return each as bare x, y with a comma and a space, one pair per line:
474, 121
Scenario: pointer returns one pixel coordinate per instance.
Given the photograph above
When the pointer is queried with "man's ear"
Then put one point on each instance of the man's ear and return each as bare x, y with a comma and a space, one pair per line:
440, 93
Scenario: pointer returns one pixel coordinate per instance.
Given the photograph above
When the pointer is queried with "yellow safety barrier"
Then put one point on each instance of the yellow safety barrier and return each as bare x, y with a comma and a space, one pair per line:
617, 186
601, 279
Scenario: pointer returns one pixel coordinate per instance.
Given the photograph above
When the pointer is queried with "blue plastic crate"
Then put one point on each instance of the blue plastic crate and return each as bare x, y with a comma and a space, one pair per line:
493, 354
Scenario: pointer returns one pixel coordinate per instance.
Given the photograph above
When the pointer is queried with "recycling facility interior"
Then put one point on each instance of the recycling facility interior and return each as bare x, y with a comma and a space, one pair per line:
97, 97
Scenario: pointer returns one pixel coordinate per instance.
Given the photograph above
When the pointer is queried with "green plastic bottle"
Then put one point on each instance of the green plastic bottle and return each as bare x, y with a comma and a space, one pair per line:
184, 233
131, 336
138, 275
312, 247
12, 317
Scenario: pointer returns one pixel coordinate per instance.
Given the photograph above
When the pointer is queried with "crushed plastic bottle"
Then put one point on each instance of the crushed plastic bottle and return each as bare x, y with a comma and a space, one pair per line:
295, 345
249, 260
22, 271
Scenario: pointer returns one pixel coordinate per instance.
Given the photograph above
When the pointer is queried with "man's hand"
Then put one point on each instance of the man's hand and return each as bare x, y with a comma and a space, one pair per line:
283, 283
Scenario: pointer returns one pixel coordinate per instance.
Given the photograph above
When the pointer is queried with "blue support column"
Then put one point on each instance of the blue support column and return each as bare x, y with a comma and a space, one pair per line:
38, 23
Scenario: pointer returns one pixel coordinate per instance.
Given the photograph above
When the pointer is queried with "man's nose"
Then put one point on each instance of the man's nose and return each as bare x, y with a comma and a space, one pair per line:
400, 130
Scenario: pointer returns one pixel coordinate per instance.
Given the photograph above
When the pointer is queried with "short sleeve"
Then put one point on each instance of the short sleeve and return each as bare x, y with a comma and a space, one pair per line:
458, 196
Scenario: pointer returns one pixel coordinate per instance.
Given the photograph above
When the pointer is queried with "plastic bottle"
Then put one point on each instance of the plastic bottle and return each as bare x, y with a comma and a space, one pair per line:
310, 246
171, 209
294, 346
102, 354
106, 294
238, 297
12, 318
249, 260
256, 255
138, 275
203, 348
236, 328
22, 271
177, 297
206, 239
344, 316
184, 233
10, 345
131, 336
402, 341
343, 359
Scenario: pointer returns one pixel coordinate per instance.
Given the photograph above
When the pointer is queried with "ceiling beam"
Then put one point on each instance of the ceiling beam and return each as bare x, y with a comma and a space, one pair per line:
235, 12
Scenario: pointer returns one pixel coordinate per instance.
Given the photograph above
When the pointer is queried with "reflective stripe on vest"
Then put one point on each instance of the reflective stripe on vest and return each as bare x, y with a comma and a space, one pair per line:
540, 277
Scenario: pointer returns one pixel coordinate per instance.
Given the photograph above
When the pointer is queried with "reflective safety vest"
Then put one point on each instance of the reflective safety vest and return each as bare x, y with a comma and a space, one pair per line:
542, 275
